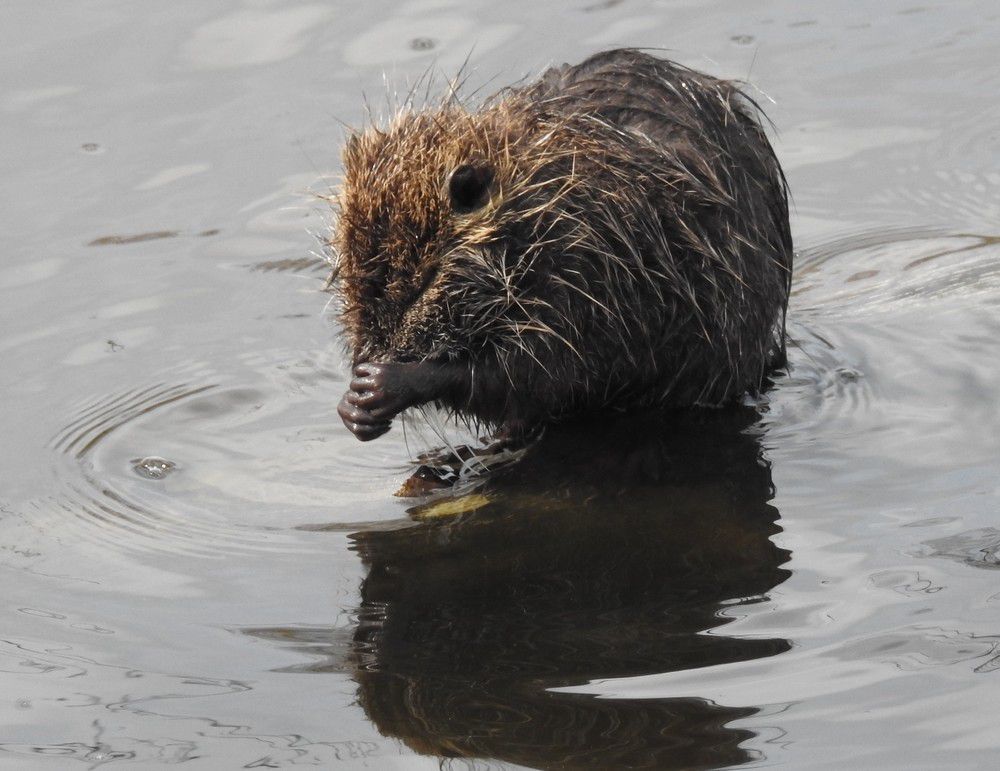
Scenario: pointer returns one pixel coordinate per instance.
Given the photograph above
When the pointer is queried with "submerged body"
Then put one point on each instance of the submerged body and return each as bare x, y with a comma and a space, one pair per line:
613, 236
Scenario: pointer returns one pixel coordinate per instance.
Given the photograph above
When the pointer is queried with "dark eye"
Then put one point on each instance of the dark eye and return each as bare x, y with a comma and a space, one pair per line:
469, 187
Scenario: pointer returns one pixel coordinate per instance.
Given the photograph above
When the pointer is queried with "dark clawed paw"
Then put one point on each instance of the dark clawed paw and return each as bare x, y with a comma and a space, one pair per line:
380, 389
361, 422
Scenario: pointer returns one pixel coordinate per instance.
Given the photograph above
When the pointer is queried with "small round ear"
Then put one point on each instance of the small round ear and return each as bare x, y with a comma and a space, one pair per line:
469, 187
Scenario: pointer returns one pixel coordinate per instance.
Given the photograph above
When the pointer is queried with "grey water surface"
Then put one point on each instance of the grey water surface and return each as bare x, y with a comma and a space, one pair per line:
200, 566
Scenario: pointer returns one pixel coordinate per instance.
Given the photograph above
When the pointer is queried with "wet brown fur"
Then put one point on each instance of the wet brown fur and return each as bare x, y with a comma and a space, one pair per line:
634, 250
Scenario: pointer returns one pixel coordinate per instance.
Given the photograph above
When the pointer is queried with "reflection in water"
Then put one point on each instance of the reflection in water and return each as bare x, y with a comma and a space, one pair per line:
605, 553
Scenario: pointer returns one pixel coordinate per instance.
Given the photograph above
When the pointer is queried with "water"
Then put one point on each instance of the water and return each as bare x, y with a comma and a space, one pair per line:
201, 566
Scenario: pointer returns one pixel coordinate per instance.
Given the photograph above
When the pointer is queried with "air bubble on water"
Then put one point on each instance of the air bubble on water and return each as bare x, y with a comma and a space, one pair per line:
153, 467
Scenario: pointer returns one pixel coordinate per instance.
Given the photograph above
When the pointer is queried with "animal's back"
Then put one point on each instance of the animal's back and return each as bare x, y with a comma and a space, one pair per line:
731, 208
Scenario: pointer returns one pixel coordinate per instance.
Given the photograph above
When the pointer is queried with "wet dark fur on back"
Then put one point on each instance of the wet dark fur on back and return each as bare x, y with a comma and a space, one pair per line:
614, 235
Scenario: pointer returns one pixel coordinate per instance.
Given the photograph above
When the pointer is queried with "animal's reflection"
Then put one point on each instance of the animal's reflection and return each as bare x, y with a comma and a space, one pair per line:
606, 552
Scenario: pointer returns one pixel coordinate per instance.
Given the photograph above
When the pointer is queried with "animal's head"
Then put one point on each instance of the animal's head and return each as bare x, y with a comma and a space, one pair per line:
449, 222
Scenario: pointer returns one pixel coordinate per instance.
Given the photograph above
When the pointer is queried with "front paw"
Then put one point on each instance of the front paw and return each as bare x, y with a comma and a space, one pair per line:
377, 393
383, 390
360, 421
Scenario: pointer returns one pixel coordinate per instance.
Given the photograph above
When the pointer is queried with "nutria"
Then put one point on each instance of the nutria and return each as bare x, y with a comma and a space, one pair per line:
612, 236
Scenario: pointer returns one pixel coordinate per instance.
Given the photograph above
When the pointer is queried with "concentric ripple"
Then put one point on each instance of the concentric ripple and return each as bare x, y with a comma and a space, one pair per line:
209, 466
96, 421
878, 271
862, 316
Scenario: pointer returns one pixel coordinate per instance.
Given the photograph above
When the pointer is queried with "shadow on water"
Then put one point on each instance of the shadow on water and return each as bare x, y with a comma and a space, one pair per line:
605, 552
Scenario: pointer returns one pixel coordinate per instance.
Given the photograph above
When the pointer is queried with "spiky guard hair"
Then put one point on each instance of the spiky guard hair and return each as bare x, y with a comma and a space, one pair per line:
632, 248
